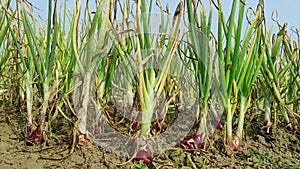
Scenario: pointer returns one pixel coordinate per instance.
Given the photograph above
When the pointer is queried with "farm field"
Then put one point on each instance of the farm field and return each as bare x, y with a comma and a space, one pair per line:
135, 84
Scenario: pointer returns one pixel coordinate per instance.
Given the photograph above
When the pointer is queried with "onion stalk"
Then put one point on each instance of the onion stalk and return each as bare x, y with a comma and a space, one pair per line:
91, 57
204, 64
142, 73
43, 59
241, 65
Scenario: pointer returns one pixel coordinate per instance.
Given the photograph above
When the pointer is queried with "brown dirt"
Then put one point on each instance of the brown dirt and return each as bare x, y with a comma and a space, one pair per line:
279, 149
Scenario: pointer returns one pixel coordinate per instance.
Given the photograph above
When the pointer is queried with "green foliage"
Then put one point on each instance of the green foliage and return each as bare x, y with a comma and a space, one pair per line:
141, 165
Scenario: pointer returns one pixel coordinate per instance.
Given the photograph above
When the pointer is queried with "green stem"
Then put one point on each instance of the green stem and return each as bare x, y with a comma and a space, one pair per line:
229, 121
45, 102
243, 110
29, 97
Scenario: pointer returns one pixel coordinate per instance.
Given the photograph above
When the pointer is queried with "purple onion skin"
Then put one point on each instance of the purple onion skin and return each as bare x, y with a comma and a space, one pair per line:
136, 125
266, 127
35, 136
134, 122
217, 121
186, 144
199, 141
290, 127
143, 156
220, 125
81, 141
192, 142
142, 153
233, 146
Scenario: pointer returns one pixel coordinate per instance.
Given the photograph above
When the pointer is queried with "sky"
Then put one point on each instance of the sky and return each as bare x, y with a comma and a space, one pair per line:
288, 10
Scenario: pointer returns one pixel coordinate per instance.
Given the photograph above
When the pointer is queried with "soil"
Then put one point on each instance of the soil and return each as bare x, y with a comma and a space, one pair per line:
278, 149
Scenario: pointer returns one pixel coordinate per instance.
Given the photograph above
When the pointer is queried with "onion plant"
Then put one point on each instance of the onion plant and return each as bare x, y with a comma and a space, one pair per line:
240, 63
39, 56
147, 66
92, 56
248, 75
202, 52
5, 42
4, 23
279, 74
